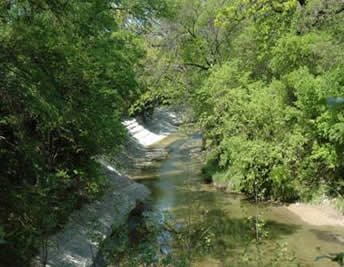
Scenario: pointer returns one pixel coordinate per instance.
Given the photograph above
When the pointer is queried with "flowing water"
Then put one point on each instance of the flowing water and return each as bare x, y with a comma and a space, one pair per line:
215, 228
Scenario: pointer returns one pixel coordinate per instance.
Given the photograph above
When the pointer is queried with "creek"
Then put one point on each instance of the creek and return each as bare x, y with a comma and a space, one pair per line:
211, 227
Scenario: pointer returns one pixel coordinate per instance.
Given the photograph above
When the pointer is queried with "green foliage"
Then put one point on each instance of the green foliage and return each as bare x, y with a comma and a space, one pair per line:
258, 74
137, 244
338, 258
269, 129
180, 50
68, 74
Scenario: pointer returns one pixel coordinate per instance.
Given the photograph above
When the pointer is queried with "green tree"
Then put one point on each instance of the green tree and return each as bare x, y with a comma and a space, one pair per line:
68, 75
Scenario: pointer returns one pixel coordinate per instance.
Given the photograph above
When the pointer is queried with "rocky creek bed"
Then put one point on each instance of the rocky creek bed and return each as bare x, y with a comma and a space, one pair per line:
78, 243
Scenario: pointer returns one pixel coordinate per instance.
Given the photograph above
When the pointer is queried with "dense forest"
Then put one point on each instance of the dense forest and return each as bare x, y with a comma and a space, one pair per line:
264, 79
68, 74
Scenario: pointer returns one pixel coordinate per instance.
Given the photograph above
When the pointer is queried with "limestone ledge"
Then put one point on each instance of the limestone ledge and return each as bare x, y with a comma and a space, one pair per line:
77, 244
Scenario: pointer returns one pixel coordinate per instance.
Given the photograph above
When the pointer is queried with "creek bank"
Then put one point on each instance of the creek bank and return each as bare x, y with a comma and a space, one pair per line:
78, 243
323, 214
143, 238
227, 219
215, 227
317, 214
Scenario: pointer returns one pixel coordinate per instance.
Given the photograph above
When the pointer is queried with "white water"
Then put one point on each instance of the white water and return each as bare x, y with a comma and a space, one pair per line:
142, 135
161, 125
78, 242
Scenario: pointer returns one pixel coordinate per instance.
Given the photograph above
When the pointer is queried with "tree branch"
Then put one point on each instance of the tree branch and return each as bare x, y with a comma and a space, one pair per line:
197, 65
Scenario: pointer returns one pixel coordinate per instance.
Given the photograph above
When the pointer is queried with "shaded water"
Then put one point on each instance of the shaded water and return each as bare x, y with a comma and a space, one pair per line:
221, 229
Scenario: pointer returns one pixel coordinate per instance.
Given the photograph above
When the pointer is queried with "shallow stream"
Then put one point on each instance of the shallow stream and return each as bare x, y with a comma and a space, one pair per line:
215, 228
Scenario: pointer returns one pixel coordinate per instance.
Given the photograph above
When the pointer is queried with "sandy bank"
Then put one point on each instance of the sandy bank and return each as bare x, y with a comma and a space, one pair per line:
318, 215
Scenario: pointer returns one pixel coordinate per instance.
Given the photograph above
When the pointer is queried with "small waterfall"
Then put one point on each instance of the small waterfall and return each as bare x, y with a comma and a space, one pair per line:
143, 135
162, 123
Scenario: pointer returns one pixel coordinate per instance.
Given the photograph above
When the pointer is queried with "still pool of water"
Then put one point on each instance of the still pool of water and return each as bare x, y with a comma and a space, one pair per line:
221, 229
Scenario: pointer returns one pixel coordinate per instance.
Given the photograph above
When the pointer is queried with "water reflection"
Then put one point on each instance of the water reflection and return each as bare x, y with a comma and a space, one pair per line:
224, 229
